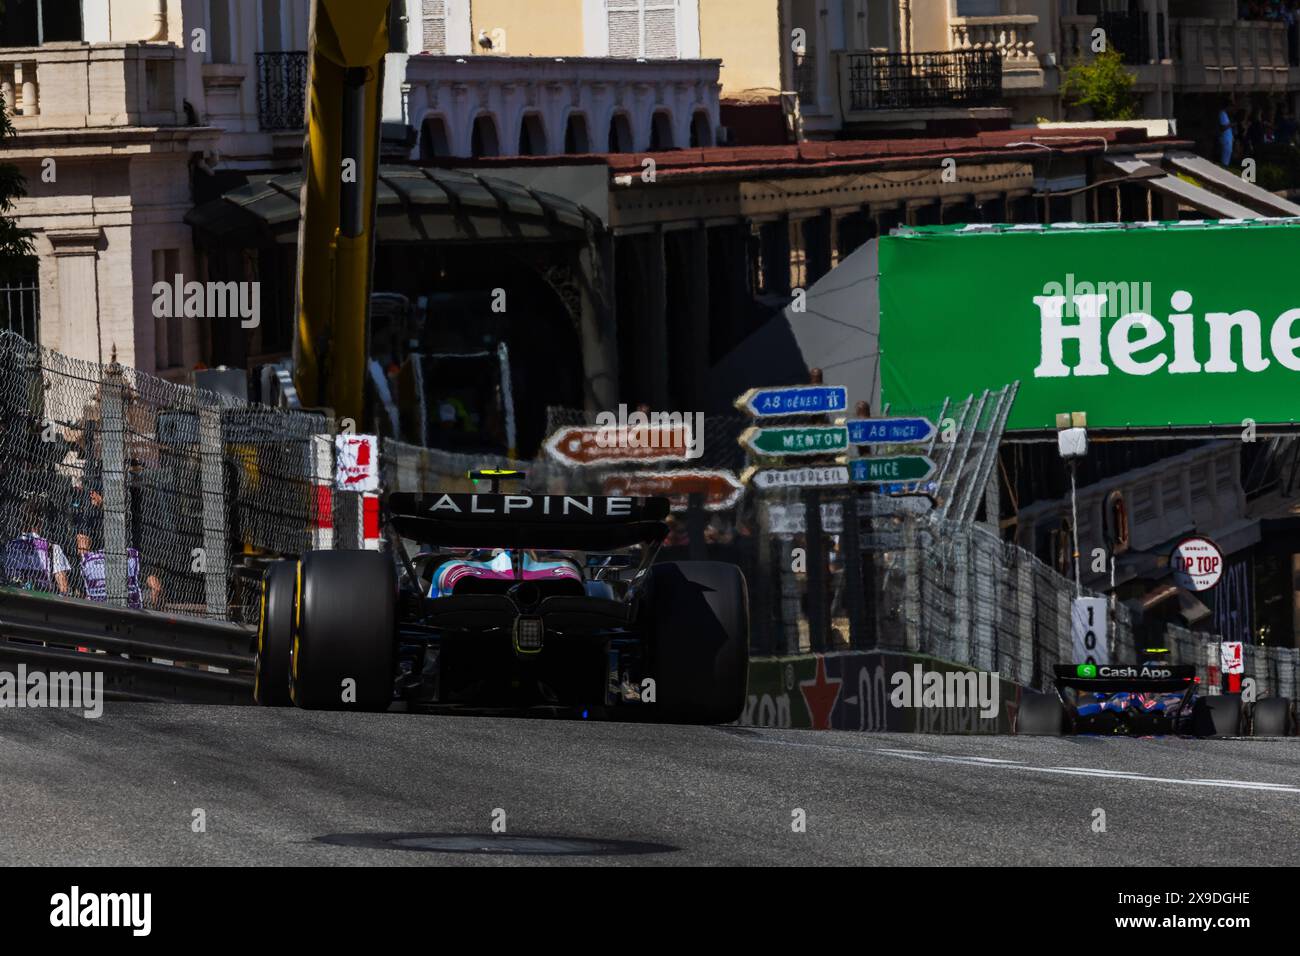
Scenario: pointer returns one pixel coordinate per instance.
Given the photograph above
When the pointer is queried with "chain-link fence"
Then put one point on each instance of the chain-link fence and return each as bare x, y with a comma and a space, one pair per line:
125, 488
875, 571
951, 590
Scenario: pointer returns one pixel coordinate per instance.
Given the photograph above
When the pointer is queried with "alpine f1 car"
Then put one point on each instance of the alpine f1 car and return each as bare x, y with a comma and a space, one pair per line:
510, 601
1150, 698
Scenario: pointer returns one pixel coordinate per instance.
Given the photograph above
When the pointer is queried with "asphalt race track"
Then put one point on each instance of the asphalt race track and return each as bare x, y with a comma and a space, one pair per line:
271, 783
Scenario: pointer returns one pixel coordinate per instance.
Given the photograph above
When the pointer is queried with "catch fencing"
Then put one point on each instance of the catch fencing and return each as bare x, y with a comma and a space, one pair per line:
125, 489
121, 487
917, 573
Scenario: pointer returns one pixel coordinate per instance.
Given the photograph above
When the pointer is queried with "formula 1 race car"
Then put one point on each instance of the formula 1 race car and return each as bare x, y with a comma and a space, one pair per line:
1145, 699
513, 601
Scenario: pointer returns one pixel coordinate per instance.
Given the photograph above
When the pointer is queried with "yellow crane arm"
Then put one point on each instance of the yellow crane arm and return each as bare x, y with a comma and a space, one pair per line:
347, 44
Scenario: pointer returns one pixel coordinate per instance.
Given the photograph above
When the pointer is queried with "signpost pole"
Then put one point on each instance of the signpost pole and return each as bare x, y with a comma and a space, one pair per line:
859, 567
695, 520
1074, 529
818, 612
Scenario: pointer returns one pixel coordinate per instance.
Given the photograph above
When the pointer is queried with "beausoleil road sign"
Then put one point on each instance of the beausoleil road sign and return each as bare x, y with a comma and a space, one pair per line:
810, 476
794, 400
896, 468
889, 431
797, 440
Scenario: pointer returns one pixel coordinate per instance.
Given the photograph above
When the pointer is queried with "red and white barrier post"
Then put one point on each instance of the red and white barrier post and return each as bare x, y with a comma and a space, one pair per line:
1231, 665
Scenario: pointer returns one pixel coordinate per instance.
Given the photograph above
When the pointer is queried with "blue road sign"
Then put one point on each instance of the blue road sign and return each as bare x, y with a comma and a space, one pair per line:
794, 400
889, 431
910, 488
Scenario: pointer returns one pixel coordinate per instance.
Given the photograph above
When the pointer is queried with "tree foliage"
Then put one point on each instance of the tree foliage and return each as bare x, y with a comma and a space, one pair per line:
15, 243
1102, 85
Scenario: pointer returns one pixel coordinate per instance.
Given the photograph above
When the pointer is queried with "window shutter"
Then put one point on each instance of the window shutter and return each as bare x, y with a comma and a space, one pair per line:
434, 16
645, 28
624, 18
660, 29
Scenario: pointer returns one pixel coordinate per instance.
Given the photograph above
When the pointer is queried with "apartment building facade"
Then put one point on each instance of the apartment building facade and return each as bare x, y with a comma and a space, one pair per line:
131, 114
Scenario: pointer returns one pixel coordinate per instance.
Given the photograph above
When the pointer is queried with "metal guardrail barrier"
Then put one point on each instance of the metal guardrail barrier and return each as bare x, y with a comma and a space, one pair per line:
143, 655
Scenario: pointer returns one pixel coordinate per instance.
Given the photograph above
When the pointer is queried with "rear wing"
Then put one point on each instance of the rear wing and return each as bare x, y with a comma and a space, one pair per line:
1112, 678
542, 522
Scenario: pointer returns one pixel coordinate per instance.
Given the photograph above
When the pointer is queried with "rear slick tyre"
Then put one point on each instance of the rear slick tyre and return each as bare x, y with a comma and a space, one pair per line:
345, 640
1271, 717
1040, 715
275, 635
698, 634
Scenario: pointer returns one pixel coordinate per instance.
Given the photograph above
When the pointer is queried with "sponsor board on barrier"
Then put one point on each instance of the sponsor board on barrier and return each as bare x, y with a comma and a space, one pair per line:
861, 690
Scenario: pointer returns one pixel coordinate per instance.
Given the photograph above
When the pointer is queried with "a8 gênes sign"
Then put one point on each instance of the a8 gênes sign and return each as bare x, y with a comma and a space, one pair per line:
1197, 564
1140, 326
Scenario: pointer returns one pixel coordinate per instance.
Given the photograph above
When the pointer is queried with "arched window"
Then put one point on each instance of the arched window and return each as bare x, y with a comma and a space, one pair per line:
576, 139
620, 134
532, 136
701, 130
484, 141
433, 138
661, 131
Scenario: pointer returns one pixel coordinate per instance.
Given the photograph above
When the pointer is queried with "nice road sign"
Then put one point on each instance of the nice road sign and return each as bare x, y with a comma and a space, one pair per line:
797, 440
890, 431
794, 400
896, 468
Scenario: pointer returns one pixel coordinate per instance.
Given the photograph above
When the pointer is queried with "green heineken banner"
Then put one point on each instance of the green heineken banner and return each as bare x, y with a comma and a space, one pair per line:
1139, 326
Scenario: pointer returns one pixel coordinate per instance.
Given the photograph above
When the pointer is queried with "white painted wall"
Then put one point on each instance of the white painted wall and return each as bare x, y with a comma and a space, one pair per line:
458, 90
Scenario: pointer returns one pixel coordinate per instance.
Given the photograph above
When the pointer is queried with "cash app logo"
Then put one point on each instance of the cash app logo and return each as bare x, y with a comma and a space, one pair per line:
1086, 670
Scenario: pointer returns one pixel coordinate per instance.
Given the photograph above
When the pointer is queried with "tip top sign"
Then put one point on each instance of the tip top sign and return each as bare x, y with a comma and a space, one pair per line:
1197, 564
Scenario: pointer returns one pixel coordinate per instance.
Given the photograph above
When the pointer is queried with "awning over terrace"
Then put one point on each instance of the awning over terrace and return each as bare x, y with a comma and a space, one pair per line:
415, 204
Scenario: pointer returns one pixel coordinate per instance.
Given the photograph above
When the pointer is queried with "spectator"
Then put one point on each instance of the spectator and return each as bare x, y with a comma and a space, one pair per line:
1225, 135
1255, 133
33, 561
94, 577
1286, 128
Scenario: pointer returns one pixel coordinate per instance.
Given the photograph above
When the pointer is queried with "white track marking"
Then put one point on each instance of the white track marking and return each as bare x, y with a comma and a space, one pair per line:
1091, 772
993, 763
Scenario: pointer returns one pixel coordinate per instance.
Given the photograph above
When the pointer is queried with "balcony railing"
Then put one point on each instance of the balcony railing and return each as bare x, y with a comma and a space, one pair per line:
1223, 55
281, 90
1012, 36
899, 81
1129, 34
78, 85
